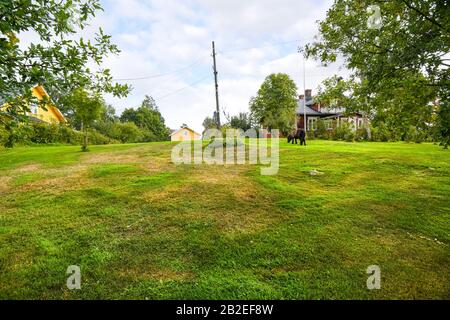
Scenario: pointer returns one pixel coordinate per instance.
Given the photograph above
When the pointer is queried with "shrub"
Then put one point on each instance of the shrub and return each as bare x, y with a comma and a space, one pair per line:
14, 133
69, 136
95, 137
344, 132
3, 135
362, 134
380, 132
410, 134
321, 132
43, 133
127, 132
310, 134
416, 135
442, 129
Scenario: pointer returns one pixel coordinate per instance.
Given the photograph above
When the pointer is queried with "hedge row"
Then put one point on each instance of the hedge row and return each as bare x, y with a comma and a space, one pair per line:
42, 133
375, 133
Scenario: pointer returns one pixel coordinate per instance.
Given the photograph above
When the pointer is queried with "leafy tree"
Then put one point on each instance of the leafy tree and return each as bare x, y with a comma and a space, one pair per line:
241, 121
147, 117
443, 124
209, 123
57, 61
275, 104
109, 114
407, 50
105, 124
126, 132
336, 92
88, 108
129, 115
403, 106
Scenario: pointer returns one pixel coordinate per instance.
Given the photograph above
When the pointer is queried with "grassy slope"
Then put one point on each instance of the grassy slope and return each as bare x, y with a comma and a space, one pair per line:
141, 227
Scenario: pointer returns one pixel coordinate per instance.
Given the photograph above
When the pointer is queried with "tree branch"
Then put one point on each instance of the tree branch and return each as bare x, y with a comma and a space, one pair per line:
432, 20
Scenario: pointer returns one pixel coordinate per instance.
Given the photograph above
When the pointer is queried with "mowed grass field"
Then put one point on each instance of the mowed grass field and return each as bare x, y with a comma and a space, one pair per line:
141, 227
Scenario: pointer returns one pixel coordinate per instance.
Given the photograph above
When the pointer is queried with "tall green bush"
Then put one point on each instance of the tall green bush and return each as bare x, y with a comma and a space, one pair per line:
43, 133
127, 132
380, 132
322, 131
344, 132
362, 134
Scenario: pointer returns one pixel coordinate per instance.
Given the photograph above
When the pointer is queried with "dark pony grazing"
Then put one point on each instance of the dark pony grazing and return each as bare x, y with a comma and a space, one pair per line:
297, 135
293, 137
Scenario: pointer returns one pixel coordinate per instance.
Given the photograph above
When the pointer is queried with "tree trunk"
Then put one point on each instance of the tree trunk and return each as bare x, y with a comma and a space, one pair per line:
10, 141
85, 137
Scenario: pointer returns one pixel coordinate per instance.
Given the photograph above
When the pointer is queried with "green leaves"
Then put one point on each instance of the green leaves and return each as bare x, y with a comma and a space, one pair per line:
149, 119
399, 68
274, 106
57, 61
409, 38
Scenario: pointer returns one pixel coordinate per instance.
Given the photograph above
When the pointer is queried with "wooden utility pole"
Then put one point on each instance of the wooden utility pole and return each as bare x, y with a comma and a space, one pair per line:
217, 87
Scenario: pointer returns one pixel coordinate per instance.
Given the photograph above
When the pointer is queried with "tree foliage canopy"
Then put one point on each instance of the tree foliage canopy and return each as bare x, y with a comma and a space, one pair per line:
275, 104
241, 121
58, 60
414, 36
209, 123
88, 107
147, 117
400, 66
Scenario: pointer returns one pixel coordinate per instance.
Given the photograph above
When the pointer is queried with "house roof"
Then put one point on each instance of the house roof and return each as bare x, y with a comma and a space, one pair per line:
176, 131
58, 114
41, 90
52, 108
309, 111
324, 111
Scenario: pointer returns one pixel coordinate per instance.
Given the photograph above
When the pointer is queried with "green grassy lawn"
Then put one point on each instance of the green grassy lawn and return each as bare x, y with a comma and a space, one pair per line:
141, 227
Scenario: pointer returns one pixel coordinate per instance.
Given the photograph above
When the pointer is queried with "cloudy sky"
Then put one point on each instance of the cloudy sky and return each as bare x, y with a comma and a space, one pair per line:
166, 51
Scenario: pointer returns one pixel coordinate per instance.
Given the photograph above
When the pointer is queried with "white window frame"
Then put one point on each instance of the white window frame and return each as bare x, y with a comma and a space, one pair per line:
312, 123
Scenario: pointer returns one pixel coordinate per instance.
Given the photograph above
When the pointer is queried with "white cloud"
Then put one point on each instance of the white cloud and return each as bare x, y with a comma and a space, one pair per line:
253, 39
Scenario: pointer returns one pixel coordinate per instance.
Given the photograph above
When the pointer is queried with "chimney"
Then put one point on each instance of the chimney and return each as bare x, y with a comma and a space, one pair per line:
308, 94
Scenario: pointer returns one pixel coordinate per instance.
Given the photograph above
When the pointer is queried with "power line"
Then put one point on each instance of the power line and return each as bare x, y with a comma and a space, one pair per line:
197, 62
243, 75
181, 89
203, 57
166, 73
264, 46
170, 79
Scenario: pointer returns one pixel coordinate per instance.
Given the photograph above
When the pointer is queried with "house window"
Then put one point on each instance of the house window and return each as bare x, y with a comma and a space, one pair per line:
312, 123
328, 124
185, 133
34, 108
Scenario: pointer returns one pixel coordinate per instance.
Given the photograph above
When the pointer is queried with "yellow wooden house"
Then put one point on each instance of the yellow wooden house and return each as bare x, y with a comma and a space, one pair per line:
50, 114
185, 134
